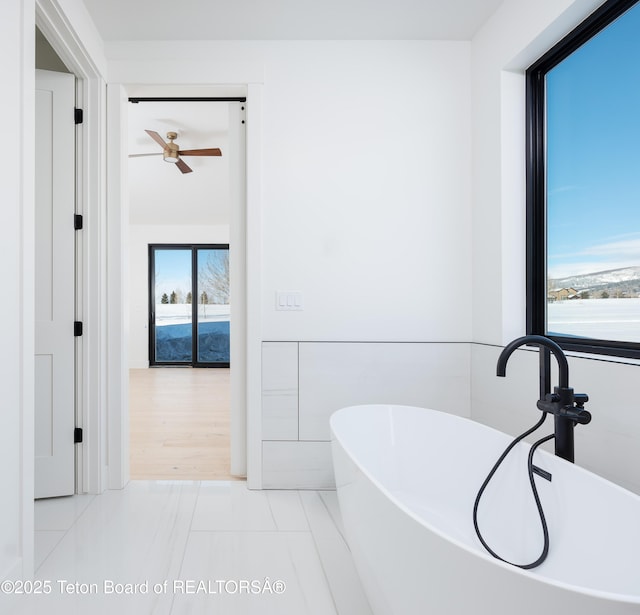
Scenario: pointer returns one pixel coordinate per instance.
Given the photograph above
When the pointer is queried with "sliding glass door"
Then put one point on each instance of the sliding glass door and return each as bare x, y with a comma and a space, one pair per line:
189, 305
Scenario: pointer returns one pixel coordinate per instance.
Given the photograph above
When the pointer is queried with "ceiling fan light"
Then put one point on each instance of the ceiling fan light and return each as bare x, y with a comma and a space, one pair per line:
170, 156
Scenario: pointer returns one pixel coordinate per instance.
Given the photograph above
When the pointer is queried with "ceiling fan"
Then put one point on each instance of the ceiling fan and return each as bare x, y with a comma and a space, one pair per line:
172, 153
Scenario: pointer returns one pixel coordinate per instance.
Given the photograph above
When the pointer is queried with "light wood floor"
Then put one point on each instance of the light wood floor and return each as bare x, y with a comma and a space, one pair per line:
179, 423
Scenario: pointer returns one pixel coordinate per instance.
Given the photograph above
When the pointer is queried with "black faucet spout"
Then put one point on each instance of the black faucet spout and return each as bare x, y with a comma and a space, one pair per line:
537, 340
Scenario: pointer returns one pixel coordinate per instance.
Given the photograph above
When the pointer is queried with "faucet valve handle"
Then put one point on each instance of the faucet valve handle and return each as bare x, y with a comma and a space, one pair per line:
581, 399
577, 415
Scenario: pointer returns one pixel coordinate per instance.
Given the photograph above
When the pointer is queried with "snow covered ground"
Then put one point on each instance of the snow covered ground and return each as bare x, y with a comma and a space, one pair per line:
608, 319
180, 313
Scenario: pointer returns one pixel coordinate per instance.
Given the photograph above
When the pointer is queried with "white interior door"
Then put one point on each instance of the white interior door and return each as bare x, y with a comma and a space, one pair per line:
55, 284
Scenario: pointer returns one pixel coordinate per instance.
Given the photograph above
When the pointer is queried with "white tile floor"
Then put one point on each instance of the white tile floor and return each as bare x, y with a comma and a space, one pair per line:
193, 547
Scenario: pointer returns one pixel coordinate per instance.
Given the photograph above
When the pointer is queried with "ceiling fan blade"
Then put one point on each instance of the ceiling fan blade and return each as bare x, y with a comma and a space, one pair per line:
212, 151
141, 155
183, 166
157, 138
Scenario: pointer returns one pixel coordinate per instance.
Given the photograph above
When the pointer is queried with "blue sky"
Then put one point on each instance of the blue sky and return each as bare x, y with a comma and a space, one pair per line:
593, 155
173, 271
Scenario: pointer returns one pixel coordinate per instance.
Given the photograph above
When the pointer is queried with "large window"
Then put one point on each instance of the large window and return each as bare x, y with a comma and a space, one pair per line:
583, 186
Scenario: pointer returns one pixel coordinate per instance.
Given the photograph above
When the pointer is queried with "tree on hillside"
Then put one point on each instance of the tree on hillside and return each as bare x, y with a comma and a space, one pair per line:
174, 298
164, 299
188, 299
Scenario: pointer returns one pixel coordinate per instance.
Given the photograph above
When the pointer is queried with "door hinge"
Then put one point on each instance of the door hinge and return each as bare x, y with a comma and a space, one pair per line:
78, 115
77, 222
77, 328
77, 435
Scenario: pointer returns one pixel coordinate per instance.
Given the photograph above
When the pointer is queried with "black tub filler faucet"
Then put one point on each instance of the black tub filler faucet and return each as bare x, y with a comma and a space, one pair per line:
566, 406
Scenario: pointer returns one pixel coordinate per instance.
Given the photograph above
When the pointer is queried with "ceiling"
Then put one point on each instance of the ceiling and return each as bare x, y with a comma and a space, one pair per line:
158, 192
118, 20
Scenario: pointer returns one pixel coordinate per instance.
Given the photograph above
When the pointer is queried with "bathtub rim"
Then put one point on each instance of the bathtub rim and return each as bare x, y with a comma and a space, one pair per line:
531, 574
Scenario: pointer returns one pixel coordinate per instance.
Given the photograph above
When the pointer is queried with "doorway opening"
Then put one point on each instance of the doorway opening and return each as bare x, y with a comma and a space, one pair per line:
186, 255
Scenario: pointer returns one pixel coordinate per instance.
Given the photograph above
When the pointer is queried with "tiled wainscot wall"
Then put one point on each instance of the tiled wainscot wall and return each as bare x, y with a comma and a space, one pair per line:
303, 383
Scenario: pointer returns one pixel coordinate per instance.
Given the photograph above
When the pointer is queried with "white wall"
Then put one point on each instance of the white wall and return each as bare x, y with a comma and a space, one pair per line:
517, 34
365, 160
140, 236
366, 212
367, 191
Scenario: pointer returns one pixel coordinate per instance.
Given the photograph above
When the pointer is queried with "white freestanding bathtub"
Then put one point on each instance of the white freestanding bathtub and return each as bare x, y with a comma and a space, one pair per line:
407, 479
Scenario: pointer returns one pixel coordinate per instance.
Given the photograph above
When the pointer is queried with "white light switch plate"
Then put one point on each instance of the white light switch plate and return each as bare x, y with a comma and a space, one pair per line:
289, 300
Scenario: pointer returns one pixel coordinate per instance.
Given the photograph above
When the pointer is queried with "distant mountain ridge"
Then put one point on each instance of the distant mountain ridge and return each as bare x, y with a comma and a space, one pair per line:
624, 282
